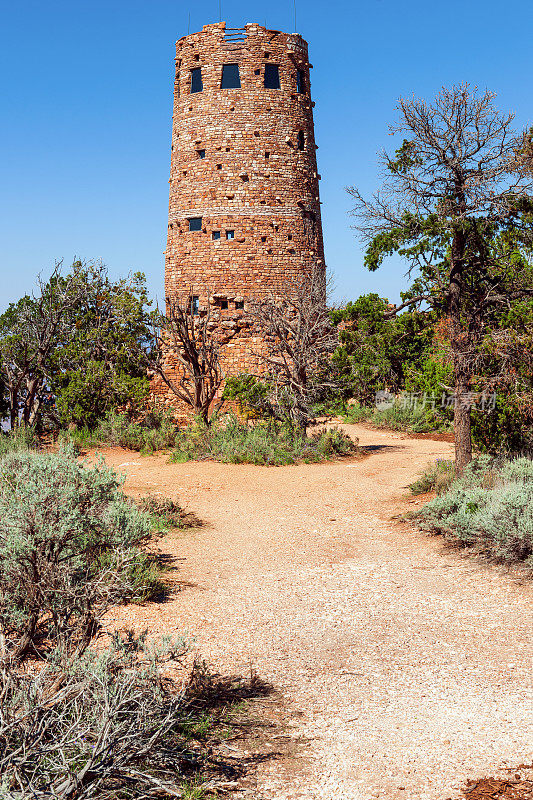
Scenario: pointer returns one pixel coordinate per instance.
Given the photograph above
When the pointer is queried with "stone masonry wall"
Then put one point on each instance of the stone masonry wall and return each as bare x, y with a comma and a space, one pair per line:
244, 160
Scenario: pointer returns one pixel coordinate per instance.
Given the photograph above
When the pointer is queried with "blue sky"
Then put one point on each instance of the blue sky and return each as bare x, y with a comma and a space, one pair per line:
86, 92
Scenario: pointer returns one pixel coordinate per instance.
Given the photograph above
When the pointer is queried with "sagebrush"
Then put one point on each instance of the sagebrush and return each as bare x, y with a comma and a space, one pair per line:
70, 547
490, 508
148, 432
114, 724
268, 443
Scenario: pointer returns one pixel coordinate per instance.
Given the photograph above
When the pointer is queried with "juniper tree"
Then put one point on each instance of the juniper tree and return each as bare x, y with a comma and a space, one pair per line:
456, 203
30, 332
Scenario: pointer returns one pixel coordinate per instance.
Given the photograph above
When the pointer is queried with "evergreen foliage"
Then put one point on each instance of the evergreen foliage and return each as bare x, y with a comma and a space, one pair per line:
457, 205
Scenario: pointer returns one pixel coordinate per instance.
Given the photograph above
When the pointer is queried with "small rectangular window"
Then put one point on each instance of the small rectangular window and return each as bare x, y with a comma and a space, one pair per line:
230, 77
239, 304
272, 76
224, 304
300, 81
230, 234
200, 153
196, 80
195, 223
195, 305
215, 235
301, 140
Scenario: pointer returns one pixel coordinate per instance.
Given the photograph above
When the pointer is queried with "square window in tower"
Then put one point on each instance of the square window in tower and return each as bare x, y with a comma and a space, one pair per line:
196, 80
272, 76
224, 305
230, 77
239, 305
215, 235
200, 153
300, 81
195, 223
230, 234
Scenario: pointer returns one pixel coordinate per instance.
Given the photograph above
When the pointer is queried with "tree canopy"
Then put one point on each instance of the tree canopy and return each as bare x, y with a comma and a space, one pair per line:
456, 204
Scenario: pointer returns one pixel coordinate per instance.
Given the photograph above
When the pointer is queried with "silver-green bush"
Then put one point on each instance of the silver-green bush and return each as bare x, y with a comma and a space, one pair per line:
267, 443
490, 509
69, 548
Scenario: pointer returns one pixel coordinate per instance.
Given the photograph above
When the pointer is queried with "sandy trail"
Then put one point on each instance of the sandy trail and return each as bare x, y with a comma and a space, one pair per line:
406, 668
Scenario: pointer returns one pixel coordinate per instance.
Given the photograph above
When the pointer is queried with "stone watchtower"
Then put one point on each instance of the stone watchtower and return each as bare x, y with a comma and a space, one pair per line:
244, 213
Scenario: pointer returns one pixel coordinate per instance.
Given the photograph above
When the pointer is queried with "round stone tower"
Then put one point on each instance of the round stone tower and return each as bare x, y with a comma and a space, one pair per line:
244, 212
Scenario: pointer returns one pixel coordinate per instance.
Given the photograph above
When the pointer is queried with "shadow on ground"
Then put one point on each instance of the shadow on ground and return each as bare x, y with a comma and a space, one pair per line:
245, 727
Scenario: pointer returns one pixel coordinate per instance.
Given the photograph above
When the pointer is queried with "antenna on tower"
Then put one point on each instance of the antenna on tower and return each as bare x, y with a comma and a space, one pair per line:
294, 16
189, 24
220, 10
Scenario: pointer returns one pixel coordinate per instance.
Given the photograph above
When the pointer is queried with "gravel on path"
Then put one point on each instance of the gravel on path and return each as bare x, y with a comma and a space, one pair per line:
405, 667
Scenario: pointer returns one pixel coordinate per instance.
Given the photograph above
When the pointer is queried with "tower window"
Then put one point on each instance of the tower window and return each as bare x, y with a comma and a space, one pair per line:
272, 76
239, 304
267, 155
224, 304
300, 81
196, 80
230, 77
215, 235
230, 234
195, 305
200, 153
195, 223
301, 140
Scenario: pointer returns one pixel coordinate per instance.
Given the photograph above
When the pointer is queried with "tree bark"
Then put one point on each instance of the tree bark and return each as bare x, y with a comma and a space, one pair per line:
461, 421
462, 425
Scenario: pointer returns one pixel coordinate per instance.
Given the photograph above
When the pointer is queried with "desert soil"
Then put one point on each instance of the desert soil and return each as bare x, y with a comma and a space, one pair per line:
403, 668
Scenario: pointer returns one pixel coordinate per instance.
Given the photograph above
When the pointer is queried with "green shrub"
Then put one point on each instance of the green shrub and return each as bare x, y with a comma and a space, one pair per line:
69, 548
354, 414
165, 513
438, 476
235, 442
490, 509
155, 430
406, 417
249, 393
506, 429
20, 439
401, 416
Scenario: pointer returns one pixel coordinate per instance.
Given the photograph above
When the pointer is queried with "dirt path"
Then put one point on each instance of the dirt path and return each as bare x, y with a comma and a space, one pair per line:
405, 668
